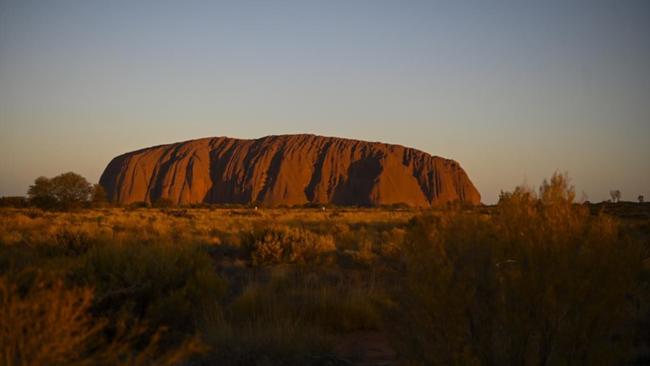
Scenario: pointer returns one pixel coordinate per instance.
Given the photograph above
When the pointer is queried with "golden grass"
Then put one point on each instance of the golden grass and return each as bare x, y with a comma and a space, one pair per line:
534, 280
209, 226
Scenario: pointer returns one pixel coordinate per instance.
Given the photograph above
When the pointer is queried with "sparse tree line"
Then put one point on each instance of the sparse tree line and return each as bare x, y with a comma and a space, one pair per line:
72, 191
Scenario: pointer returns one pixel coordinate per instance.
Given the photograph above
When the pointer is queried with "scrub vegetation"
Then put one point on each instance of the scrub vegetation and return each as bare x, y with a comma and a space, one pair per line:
535, 280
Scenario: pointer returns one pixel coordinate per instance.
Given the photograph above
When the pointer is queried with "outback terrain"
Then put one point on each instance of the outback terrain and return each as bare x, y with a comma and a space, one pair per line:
324, 183
535, 280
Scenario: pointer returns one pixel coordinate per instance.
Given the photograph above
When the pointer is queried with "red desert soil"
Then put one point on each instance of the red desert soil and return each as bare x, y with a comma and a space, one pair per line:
287, 170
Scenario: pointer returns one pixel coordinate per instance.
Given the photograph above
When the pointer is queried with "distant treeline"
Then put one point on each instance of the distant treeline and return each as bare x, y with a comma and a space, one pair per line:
72, 191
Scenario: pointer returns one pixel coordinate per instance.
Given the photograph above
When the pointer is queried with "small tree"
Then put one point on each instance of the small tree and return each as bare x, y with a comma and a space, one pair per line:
71, 189
63, 191
41, 193
616, 195
641, 198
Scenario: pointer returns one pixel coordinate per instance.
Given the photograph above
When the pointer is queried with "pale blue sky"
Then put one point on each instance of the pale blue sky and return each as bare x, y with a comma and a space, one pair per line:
513, 90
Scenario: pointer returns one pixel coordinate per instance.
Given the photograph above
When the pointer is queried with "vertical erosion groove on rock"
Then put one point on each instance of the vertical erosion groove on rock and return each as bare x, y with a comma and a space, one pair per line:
287, 170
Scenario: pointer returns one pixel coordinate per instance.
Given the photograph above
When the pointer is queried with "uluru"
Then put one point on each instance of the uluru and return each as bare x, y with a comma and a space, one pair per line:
287, 170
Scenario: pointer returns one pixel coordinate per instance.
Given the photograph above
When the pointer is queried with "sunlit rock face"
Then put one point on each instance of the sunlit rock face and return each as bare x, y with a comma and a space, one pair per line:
287, 170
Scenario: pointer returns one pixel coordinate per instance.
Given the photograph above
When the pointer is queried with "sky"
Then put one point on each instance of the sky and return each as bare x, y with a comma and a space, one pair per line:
513, 90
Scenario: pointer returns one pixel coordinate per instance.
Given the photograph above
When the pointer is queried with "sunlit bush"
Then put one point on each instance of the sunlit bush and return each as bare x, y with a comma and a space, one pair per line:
289, 245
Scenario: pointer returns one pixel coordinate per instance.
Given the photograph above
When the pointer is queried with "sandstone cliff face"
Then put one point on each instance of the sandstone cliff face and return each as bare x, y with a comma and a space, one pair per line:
286, 170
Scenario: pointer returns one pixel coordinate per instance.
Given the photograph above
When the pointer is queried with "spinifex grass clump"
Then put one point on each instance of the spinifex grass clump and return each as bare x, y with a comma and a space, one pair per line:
539, 282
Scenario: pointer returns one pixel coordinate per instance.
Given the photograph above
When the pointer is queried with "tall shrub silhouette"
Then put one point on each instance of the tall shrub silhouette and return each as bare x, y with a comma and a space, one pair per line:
540, 282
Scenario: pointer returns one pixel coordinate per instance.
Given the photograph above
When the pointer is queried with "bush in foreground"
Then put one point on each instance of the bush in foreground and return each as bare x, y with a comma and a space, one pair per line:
539, 282
47, 323
161, 284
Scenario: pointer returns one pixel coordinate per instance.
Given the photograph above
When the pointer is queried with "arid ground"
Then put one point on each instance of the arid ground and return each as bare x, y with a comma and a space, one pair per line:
534, 280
